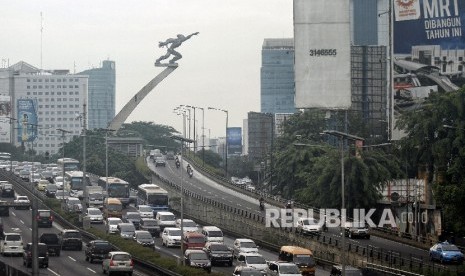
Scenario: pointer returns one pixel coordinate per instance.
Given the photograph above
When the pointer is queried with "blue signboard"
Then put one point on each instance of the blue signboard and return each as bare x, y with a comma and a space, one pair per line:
27, 120
428, 22
234, 136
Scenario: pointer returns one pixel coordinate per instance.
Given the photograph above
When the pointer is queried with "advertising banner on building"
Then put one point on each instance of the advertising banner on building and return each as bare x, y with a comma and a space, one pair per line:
234, 136
27, 120
5, 115
322, 54
428, 22
428, 38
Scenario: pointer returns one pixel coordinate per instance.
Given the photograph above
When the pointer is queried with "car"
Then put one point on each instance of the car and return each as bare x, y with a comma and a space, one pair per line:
213, 234
61, 195
24, 175
50, 190
24, 202
47, 175
218, 253
197, 258
160, 162
282, 268
145, 211
445, 252
193, 240
42, 252
7, 190
165, 219
94, 215
253, 260
44, 218
336, 270
132, 217
112, 225
171, 236
309, 226
73, 205
144, 238
247, 271
42, 184
188, 225
126, 230
70, 238
118, 261
151, 225
356, 230
34, 177
12, 244
244, 246
97, 250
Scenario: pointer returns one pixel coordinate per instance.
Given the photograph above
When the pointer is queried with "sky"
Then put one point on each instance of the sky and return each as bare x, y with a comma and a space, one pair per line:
220, 67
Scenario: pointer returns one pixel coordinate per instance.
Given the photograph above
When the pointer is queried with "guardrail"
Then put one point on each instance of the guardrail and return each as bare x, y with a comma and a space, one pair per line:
30, 191
369, 254
384, 232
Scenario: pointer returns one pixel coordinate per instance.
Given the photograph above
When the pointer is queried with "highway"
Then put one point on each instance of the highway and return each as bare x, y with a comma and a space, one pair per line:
205, 186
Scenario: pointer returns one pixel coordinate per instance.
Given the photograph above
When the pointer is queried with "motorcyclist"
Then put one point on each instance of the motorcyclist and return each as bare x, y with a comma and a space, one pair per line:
188, 167
262, 203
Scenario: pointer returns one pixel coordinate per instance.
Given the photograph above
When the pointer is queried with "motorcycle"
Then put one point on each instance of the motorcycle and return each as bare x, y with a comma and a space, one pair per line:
262, 206
178, 164
190, 172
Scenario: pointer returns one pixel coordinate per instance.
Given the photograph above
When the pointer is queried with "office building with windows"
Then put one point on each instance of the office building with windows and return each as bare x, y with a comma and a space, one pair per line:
41, 102
101, 103
277, 76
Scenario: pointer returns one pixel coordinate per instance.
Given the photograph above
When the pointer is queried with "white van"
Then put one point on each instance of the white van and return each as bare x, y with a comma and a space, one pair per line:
213, 234
165, 219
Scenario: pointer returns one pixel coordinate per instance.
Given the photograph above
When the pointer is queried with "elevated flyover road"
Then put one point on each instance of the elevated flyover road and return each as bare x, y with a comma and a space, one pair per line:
205, 186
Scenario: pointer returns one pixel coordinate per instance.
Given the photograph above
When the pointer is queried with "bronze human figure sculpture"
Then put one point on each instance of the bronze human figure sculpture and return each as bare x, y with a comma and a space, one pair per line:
175, 43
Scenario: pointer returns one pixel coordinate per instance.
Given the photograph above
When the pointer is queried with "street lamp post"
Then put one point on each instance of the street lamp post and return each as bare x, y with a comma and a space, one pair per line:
106, 158
226, 140
342, 136
183, 140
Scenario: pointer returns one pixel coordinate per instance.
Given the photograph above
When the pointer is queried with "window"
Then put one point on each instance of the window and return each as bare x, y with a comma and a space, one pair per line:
40, 80
76, 86
76, 99
52, 93
34, 86
58, 80
28, 87
52, 80
71, 93
40, 93
58, 86
34, 93
40, 99
34, 80
58, 99
58, 93
28, 80
64, 86
40, 86
46, 93
64, 93
28, 93
46, 80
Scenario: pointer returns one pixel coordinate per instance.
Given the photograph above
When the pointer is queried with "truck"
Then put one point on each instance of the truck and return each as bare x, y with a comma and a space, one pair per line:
93, 196
53, 243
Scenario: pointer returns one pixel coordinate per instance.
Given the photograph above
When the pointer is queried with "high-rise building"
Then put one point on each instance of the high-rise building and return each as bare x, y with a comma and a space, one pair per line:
41, 102
260, 128
364, 18
101, 103
277, 76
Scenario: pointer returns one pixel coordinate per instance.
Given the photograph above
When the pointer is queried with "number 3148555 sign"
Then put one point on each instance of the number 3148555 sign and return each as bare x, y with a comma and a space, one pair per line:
322, 52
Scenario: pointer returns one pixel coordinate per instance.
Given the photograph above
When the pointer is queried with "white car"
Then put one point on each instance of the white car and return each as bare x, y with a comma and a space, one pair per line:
24, 201
188, 225
95, 215
244, 246
145, 211
12, 244
112, 225
282, 269
309, 226
255, 260
171, 236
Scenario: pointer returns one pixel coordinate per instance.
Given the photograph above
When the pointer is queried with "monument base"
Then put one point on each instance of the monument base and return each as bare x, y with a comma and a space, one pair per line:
157, 64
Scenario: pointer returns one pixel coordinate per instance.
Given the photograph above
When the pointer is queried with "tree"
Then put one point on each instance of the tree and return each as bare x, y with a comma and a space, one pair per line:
440, 150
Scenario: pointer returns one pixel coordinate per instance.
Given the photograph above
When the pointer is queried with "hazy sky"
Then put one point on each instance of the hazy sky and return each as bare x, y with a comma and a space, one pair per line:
220, 67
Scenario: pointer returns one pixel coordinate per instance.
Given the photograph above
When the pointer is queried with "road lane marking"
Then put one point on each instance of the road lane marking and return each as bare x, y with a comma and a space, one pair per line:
13, 214
21, 221
30, 229
53, 272
91, 270
71, 258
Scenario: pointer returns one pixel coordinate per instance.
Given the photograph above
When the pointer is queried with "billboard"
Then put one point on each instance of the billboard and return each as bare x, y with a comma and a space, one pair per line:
234, 136
322, 54
428, 22
5, 115
27, 120
428, 38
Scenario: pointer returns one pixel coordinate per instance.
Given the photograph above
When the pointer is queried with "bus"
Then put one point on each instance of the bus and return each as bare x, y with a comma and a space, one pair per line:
153, 196
74, 183
116, 188
69, 164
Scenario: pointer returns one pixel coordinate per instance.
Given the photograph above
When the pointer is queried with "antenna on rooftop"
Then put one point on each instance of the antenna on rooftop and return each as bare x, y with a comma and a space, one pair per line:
41, 32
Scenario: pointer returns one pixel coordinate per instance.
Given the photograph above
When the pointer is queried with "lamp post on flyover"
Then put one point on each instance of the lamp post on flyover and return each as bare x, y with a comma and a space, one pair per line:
226, 141
183, 140
342, 136
106, 157
63, 149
